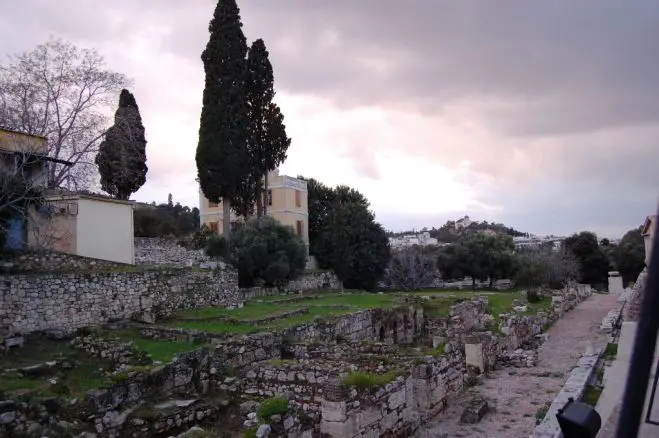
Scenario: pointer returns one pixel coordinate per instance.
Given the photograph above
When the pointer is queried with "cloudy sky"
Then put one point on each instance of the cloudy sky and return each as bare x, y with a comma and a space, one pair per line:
540, 115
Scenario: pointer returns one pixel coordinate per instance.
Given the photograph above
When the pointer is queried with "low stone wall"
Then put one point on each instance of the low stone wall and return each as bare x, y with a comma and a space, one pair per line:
166, 252
396, 410
391, 326
70, 301
51, 261
308, 281
574, 387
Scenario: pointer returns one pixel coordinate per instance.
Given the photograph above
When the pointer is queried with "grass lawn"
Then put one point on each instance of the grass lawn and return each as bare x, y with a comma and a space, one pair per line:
161, 350
87, 372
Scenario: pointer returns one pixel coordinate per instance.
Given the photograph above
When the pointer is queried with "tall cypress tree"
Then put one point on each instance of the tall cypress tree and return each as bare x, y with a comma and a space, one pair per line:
222, 156
121, 158
268, 141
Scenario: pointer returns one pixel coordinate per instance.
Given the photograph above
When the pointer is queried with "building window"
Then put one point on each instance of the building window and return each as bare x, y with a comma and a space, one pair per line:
298, 199
298, 226
213, 204
267, 197
213, 226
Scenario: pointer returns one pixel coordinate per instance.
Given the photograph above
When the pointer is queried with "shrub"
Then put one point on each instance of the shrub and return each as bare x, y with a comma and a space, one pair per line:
216, 247
533, 297
266, 250
367, 380
273, 406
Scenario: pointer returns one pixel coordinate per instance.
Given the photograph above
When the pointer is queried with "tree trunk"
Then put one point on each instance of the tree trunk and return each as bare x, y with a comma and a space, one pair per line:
267, 198
226, 218
259, 202
491, 282
342, 286
473, 283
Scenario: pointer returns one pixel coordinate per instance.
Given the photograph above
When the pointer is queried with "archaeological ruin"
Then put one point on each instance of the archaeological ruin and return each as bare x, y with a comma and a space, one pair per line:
175, 349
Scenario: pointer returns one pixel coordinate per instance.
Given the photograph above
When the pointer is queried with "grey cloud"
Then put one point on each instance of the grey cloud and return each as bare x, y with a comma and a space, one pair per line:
570, 85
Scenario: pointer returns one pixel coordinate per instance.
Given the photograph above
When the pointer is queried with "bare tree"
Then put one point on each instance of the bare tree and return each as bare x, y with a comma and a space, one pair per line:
410, 269
546, 267
60, 92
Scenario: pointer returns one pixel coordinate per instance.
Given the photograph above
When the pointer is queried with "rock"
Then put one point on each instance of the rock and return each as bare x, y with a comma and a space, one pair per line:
193, 432
251, 416
7, 417
275, 418
263, 431
16, 341
7, 406
86, 435
474, 411
289, 422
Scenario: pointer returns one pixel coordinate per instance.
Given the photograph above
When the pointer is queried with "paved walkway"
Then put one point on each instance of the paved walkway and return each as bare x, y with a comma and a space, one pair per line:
516, 394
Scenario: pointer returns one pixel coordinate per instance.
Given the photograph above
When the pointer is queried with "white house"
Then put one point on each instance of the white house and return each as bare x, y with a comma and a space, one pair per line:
84, 225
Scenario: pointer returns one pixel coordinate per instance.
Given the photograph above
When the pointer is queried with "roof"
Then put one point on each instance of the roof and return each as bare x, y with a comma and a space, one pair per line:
70, 196
43, 157
22, 133
648, 225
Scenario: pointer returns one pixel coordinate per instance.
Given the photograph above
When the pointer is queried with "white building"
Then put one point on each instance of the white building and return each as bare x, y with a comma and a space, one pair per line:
406, 240
84, 225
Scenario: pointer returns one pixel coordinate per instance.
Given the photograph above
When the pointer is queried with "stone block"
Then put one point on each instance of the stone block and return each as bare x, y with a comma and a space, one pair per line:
396, 399
474, 411
334, 411
474, 356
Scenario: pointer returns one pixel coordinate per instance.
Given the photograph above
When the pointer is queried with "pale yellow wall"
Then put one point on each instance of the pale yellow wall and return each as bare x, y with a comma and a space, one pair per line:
17, 142
105, 230
283, 206
55, 232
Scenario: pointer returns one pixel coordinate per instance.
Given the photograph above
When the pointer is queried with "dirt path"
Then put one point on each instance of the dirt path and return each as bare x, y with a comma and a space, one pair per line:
516, 394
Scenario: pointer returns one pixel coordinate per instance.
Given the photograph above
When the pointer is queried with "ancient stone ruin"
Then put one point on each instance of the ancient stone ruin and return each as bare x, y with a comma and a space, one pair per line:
184, 352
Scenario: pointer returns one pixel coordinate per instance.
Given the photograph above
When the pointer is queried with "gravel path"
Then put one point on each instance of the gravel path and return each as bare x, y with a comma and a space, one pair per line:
516, 394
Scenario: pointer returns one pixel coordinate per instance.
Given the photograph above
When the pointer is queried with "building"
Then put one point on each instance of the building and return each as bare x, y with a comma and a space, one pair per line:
85, 225
23, 157
26, 155
422, 239
649, 228
463, 223
287, 201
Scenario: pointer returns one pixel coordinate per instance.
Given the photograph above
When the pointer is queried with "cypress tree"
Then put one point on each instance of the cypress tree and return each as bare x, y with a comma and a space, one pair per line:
121, 158
222, 156
268, 141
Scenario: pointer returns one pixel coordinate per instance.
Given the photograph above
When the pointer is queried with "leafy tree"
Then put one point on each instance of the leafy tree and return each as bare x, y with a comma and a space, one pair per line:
410, 269
60, 92
594, 265
538, 267
222, 153
265, 250
121, 158
344, 236
268, 141
629, 255
165, 220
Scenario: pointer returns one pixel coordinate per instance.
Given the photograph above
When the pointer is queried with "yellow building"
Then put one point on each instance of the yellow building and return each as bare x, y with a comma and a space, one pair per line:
287, 202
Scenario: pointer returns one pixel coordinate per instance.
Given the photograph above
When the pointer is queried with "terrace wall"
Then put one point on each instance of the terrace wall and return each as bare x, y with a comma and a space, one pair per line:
308, 281
396, 410
69, 301
166, 252
52, 261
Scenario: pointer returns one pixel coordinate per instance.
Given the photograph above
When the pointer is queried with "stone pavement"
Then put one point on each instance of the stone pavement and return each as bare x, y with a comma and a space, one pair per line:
516, 395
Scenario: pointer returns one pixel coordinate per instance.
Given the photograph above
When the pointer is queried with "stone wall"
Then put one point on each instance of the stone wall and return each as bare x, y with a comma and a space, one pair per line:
396, 410
51, 261
166, 252
308, 281
391, 326
69, 301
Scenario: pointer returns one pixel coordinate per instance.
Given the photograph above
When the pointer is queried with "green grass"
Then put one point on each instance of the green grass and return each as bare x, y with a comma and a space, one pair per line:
541, 413
160, 350
366, 381
327, 306
273, 406
591, 395
215, 327
610, 352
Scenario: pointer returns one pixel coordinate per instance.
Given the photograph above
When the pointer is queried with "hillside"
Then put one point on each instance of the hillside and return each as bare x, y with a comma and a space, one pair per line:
448, 232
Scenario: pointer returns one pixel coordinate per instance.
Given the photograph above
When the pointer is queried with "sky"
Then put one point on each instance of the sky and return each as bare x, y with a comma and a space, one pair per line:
541, 115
